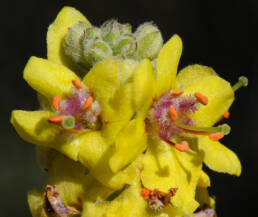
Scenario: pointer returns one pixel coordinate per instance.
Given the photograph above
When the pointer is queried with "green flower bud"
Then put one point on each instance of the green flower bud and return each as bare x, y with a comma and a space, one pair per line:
93, 32
126, 46
149, 41
95, 50
112, 30
72, 42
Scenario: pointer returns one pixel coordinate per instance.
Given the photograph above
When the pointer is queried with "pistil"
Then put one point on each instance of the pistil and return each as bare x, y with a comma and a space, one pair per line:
242, 82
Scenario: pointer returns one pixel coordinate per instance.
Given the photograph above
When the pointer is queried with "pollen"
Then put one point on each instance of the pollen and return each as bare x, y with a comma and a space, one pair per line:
226, 115
57, 119
177, 93
201, 98
183, 147
77, 84
87, 103
216, 136
145, 193
56, 101
173, 113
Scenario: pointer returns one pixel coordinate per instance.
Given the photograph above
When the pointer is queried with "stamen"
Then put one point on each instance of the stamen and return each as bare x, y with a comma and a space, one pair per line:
183, 147
145, 193
226, 115
216, 136
173, 113
68, 122
87, 104
201, 98
77, 84
56, 101
242, 82
56, 119
225, 129
177, 93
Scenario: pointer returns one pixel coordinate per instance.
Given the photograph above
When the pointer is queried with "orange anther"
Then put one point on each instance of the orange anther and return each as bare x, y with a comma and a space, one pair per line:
56, 101
177, 93
226, 115
145, 193
77, 84
173, 113
216, 136
87, 104
201, 98
57, 119
183, 147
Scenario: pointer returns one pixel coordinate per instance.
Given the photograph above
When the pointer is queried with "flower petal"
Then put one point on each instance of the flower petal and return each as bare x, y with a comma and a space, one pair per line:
95, 154
104, 174
36, 204
48, 78
115, 100
191, 74
167, 63
34, 127
204, 180
143, 84
129, 144
71, 180
125, 70
220, 96
66, 18
218, 157
165, 168
202, 196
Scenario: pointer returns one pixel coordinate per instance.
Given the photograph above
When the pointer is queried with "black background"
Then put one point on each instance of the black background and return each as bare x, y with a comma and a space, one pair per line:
220, 34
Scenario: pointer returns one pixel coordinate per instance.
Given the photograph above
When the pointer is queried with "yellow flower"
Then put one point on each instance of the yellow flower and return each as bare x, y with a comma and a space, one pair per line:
128, 123
110, 83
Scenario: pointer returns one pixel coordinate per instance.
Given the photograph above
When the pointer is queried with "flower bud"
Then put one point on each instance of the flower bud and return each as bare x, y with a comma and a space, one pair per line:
126, 46
93, 32
112, 30
72, 41
95, 50
149, 41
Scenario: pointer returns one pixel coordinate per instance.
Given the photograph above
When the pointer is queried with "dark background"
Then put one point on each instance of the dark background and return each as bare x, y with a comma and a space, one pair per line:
220, 34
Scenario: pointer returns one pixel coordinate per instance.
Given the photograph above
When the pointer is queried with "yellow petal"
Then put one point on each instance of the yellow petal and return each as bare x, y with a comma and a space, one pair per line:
66, 18
125, 69
191, 74
129, 203
218, 157
130, 143
34, 127
36, 204
167, 64
220, 96
72, 181
143, 84
202, 196
163, 170
48, 78
104, 174
204, 180
92, 148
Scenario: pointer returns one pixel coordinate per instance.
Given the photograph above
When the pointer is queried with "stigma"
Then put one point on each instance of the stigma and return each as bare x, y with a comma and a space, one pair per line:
76, 111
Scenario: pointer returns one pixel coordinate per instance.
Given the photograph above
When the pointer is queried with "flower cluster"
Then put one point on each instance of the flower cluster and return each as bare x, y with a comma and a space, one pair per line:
119, 131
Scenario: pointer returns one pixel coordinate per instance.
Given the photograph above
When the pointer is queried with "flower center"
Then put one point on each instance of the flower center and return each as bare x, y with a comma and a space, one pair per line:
170, 118
76, 111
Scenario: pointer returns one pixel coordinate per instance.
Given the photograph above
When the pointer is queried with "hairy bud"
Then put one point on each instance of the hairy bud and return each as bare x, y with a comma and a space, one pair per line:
149, 41
73, 40
95, 50
112, 30
126, 46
